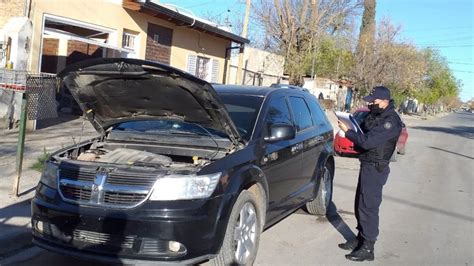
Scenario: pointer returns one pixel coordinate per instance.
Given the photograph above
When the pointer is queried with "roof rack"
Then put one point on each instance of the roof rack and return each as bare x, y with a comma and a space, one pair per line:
287, 86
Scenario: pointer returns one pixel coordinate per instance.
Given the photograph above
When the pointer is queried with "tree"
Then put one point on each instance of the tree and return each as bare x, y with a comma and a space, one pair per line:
364, 56
294, 27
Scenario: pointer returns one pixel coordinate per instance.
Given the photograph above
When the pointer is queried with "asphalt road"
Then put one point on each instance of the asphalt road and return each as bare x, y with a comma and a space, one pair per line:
426, 216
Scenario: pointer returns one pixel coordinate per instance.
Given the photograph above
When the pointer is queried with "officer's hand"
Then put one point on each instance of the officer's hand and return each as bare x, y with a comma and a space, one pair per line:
342, 126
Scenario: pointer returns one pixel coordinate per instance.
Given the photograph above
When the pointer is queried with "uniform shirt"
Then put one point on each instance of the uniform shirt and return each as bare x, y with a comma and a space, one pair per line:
381, 132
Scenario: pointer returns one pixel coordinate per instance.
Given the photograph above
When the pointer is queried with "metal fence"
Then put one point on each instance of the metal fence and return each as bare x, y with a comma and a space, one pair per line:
40, 90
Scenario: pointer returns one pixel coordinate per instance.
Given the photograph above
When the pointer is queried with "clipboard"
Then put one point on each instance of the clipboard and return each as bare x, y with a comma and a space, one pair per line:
349, 121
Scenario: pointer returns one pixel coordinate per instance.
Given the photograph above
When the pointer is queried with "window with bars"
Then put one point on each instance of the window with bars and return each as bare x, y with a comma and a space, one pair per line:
128, 40
204, 68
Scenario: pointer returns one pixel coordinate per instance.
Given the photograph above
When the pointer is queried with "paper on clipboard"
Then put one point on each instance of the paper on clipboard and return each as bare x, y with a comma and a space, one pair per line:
349, 121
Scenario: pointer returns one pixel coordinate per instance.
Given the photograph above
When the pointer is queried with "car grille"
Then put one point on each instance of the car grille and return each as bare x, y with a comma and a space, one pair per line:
132, 179
103, 239
121, 198
76, 193
104, 187
76, 174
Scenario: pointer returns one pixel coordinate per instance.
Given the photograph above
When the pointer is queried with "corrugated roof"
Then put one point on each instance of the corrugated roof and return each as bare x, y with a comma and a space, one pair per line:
181, 18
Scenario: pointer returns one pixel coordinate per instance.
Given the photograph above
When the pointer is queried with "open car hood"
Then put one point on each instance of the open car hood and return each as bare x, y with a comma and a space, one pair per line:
114, 90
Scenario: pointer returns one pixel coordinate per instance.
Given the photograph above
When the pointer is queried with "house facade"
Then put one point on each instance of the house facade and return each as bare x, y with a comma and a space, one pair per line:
48, 35
67, 31
260, 68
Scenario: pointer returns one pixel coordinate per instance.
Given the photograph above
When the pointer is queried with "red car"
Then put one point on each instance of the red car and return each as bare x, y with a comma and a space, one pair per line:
343, 146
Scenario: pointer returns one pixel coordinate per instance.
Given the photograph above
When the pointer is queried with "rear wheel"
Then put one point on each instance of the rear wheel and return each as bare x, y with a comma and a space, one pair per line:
320, 205
243, 231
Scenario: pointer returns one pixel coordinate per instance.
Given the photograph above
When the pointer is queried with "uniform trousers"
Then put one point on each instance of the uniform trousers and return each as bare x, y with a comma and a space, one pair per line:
372, 178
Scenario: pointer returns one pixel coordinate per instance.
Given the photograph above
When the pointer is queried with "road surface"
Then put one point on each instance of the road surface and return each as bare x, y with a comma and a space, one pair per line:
426, 215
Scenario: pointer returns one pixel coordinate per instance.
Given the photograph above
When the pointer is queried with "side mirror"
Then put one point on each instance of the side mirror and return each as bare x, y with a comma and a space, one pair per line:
280, 132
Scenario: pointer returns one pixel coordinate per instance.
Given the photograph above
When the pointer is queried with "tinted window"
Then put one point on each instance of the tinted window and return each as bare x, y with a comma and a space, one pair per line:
301, 112
278, 112
243, 111
316, 111
164, 127
360, 116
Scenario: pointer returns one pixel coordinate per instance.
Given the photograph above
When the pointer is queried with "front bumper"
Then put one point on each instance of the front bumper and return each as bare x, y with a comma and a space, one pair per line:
182, 231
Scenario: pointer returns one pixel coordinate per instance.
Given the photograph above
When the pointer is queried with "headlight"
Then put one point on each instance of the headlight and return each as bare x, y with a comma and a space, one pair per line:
49, 175
185, 187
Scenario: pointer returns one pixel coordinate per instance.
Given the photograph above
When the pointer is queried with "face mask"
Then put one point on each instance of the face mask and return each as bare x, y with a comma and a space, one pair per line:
375, 108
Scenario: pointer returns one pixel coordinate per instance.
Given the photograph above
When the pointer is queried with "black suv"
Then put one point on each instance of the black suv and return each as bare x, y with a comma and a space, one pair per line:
182, 171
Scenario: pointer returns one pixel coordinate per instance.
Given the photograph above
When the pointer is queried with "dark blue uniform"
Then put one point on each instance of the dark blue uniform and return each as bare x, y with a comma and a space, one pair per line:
376, 146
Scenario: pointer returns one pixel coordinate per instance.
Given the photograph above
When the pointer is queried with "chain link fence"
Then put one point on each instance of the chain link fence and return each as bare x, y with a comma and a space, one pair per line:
40, 89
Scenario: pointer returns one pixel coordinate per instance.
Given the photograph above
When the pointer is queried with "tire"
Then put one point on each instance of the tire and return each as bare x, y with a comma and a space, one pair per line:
320, 205
241, 250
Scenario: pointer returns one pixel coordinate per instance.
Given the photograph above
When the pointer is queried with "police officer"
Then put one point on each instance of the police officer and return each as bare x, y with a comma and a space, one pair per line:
381, 129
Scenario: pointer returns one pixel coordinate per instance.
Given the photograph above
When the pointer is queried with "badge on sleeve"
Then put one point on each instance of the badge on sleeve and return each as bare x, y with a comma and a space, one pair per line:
387, 125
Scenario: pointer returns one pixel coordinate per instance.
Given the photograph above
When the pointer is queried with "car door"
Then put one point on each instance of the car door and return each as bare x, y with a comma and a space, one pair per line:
310, 141
281, 160
321, 135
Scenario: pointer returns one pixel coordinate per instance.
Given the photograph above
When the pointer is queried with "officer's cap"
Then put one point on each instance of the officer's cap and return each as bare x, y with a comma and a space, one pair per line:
379, 92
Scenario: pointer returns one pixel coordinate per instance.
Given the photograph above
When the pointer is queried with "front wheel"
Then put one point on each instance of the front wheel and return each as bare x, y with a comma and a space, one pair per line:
320, 205
242, 234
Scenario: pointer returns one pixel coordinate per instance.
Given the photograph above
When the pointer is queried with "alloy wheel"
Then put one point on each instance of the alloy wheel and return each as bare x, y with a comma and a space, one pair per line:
245, 233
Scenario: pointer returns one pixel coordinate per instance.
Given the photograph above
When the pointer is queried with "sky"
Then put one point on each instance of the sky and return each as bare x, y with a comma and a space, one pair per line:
445, 25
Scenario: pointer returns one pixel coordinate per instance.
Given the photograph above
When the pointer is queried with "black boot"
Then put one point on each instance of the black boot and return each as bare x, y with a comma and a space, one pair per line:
364, 252
350, 244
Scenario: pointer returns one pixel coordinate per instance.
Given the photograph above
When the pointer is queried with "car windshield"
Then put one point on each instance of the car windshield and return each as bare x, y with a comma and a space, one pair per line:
359, 116
243, 110
163, 126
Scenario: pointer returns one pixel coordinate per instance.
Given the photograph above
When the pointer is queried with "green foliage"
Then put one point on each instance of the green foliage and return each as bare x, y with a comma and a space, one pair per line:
439, 81
330, 60
39, 164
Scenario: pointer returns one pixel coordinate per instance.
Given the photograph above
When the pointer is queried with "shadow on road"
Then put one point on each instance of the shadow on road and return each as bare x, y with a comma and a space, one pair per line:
417, 205
455, 153
461, 131
336, 220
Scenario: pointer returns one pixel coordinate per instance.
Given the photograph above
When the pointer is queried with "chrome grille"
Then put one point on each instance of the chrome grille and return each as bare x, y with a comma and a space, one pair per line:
104, 186
103, 239
122, 198
76, 174
76, 193
132, 179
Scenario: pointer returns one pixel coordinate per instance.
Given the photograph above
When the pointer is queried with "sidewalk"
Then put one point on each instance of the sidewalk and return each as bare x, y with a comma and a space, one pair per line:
15, 212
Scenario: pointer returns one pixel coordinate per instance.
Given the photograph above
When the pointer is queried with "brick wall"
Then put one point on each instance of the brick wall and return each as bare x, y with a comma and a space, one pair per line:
79, 51
9, 9
50, 46
158, 50
49, 58
82, 47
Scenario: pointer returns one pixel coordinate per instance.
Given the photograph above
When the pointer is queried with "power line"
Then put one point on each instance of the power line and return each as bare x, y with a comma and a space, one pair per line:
436, 29
464, 71
457, 63
453, 39
448, 46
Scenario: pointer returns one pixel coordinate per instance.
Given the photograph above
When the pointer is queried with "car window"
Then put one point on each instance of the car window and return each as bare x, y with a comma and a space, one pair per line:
316, 112
278, 112
243, 110
302, 114
164, 127
360, 116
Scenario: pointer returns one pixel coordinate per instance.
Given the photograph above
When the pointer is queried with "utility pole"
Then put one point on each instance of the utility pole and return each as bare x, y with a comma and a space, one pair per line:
241, 51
